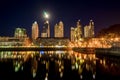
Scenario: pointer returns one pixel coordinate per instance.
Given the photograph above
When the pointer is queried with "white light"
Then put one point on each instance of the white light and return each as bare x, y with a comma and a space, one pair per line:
81, 76
46, 15
46, 78
93, 76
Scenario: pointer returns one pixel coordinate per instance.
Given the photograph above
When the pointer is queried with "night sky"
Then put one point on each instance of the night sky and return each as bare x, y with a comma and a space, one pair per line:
22, 13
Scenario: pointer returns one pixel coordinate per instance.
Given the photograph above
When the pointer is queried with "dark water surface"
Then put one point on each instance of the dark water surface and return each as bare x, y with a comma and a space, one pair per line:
67, 66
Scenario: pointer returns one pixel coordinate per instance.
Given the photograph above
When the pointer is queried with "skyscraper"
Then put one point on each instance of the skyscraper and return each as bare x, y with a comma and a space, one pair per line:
91, 25
86, 31
59, 30
56, 30
20, 33
79, 30
76, 33
61, 27
89, 30
72, 34
35, 30
46, 29
44, 32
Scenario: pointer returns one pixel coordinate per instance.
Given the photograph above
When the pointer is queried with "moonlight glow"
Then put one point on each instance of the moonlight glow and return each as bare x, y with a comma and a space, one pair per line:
46, 15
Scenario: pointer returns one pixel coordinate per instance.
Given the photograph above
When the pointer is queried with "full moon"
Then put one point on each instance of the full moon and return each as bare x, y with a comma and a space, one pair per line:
46, 15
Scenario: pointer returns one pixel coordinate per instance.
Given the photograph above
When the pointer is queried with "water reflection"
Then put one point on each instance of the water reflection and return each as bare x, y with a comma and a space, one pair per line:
69, 65
84, 65
108, 67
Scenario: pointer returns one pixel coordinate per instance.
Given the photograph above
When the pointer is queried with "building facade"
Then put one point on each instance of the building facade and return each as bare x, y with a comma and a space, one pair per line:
10, 42
46, 29
79, 30
56, 30
61, 27
20, 33
89, 30
35, 30
91, 25
52, 41
59, 30
86, 31
44, 32
72, 34
76, 33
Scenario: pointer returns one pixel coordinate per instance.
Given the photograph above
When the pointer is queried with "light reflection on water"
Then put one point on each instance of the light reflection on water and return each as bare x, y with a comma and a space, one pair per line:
65, 66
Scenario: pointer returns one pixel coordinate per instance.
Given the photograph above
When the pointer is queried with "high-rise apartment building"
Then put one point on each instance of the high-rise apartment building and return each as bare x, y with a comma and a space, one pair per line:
56, 30
72, 34
46, 29
76, 33
44, 32
89, 30
59, 30
61, 27
91, 25
79, 30
20, 33
86, 31
35, 30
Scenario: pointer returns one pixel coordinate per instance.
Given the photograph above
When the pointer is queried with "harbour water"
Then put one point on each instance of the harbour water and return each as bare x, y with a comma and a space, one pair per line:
67, 65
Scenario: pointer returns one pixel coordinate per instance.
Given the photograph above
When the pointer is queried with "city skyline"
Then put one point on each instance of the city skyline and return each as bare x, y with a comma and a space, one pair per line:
59, 32
24, 13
